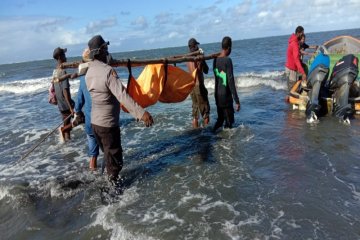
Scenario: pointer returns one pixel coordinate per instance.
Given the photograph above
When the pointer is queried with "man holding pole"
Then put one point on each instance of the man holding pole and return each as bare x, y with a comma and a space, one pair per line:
107, 92
199, 95
62, 90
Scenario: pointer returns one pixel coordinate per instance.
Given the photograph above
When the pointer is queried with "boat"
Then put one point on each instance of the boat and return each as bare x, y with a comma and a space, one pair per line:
333, 85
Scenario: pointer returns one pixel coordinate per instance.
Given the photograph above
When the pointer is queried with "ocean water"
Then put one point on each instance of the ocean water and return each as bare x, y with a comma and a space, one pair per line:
272, 176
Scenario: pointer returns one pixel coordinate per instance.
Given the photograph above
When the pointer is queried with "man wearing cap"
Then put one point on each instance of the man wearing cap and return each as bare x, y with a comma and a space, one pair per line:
107, 92
62, 90
199, 95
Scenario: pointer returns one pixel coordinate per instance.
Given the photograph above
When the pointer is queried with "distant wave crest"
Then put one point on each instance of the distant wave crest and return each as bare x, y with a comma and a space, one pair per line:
273, 79
27, 86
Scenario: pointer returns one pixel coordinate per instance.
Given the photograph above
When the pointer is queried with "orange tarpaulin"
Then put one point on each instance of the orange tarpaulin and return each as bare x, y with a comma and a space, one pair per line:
151, 87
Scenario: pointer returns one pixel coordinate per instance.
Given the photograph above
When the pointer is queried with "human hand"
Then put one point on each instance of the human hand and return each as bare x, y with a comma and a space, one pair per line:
74, 75
147, 119
201, 51
238, 107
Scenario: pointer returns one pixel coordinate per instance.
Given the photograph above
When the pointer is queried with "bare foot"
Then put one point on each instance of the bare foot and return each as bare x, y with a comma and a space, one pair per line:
93, 164
61, 134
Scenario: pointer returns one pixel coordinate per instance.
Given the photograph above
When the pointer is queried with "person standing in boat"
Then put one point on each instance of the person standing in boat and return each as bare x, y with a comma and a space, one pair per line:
199, 95
107, 91
293, 66
62, 90
225, 89
303, 46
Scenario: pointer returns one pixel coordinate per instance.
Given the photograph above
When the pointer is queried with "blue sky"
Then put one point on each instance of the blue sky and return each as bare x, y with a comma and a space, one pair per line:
31, 29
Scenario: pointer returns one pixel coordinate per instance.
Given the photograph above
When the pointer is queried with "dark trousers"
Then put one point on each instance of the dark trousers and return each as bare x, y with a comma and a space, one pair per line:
225, 114
109, 141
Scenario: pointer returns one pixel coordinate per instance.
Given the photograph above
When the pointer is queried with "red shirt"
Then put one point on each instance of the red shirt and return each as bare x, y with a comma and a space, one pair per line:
293, 55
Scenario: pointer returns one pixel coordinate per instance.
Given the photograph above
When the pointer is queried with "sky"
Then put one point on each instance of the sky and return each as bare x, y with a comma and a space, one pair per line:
32, 29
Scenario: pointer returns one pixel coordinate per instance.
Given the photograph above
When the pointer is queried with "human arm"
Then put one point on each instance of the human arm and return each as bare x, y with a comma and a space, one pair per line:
231, 82
80, 97
296, 56
65, 86
295, 92
65, 76
119, 91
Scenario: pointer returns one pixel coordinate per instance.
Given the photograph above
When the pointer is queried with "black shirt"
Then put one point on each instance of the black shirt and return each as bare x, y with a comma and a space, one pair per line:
225, 90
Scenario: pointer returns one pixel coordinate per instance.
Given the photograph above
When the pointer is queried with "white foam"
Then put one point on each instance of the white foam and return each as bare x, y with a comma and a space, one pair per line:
234, 230
276, 231
188, 197
26, 86
217, 204
4, 192
351, 186
271, 79
35, 85
105, 216
153, 216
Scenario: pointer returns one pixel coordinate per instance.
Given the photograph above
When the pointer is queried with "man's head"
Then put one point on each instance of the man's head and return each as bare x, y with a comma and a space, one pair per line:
98, 48
299, 31
193, 45
302, 39
226, 45
59, 53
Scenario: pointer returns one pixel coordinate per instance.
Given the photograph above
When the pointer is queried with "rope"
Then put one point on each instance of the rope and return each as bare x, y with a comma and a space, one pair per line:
43, 139
130, 75
166, 71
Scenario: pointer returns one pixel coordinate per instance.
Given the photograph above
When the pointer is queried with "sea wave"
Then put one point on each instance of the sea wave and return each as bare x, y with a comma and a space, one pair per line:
34, 85
273, 79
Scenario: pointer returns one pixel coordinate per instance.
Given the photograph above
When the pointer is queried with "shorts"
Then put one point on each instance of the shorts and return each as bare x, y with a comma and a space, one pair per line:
200, 103
291, 77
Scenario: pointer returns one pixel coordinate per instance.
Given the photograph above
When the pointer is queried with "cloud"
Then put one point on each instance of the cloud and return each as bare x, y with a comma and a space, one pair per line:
35, 37
124, 13
163, 18
140, 23
24, 38
51, 24
243, 8
263, 14
97, 26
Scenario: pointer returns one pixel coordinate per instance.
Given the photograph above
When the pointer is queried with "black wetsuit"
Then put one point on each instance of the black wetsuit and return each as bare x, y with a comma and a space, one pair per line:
225, 91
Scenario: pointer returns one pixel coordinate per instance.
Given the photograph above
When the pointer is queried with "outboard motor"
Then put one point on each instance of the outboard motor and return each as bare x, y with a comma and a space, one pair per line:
319, 71
343, 76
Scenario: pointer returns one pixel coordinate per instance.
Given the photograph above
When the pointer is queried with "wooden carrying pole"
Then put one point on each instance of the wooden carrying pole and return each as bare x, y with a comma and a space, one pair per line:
190, 57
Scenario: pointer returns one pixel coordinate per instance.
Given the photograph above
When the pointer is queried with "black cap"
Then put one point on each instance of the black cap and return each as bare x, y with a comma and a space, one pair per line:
95, 43
192, 42
58, 51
